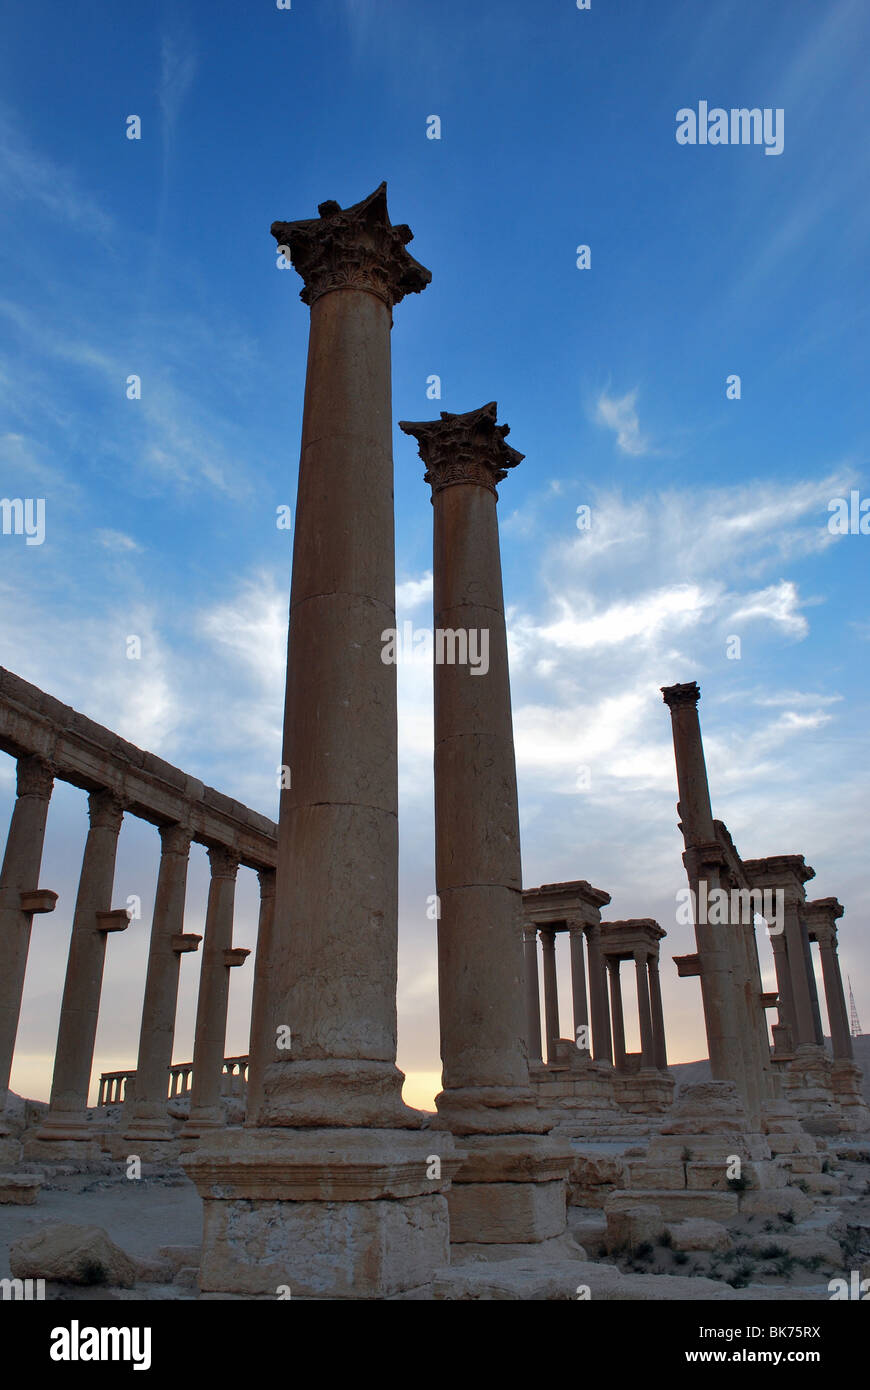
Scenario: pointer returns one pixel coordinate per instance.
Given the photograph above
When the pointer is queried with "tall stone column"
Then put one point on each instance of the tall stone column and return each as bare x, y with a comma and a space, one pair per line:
660, 1046
601, 1040
578, 983
551, 991
348, 1205
835, 997
511, 1187
704, 859
616, 1013
644, 1014
19, 880
206, 1109
80, 1007
533, 993
785, 1006
260, 1046
799, 969
148, 1118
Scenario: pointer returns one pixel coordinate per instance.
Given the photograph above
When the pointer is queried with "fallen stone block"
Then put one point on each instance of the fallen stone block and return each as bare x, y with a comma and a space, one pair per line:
71, 1255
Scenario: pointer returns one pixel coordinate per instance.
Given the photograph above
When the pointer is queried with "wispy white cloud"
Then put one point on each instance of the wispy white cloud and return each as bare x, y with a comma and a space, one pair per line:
618, 413
29, 175
778, 603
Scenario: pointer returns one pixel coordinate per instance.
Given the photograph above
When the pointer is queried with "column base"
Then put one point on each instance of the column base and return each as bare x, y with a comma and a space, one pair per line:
511, 1190
339, 1213
488, 1110
202, 1120
67, 1124
338, 1092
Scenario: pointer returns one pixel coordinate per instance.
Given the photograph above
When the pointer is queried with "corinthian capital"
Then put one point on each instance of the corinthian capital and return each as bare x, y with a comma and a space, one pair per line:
105, 810
354, 248
688, 694
224, 862
35, 776
466, 448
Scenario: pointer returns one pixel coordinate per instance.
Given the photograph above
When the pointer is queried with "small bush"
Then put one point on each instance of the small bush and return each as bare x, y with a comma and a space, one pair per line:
680, 1257
666, 1239
686, 1155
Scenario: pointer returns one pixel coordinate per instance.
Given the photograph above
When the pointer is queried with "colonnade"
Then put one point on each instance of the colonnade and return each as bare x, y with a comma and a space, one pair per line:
119, 780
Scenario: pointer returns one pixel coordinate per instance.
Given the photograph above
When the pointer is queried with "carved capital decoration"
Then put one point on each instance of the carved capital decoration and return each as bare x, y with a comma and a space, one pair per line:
224, 862
687, 694
267, 882
355, 248
105, 810
466, 448
175, 838
35, 776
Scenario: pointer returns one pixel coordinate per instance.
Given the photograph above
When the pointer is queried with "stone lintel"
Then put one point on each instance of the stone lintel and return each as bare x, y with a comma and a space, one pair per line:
467, 448
57, 741
39, 900
770, 999
557, 905
620, 940
355, 248
779, 871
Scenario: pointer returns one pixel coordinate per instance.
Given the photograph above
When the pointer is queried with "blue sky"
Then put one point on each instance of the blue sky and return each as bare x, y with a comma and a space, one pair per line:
153, 257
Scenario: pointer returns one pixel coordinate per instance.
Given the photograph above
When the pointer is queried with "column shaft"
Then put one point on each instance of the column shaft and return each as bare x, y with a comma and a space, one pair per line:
578, 982
20, 874
533, 994
616, 1013
660, 1045
262, 1047
551, 991
643, 1011
148, 1116
601, 1039
835, 998
80, 1007
206, 1110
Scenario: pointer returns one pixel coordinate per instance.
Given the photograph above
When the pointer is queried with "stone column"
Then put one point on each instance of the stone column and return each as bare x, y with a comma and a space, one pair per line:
601, 1040
835, 998
533, 993
148, 1118
260, 1046
799, 968
616, 1013
660, 1046
578, 984
785, 1005
644, 1014
510, 1189
704, 859
206, 1110
79, 1011
319, 1222
551, 991
20, 876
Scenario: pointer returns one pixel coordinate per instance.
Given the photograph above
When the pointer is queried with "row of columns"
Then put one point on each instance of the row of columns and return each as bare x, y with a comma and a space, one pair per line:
93, 920
608, 1025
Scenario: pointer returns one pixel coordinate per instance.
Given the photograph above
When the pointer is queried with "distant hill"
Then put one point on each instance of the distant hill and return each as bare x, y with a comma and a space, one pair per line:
687, 1072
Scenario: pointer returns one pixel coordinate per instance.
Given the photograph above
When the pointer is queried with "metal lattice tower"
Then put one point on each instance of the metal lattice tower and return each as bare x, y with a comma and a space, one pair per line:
854, 1021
